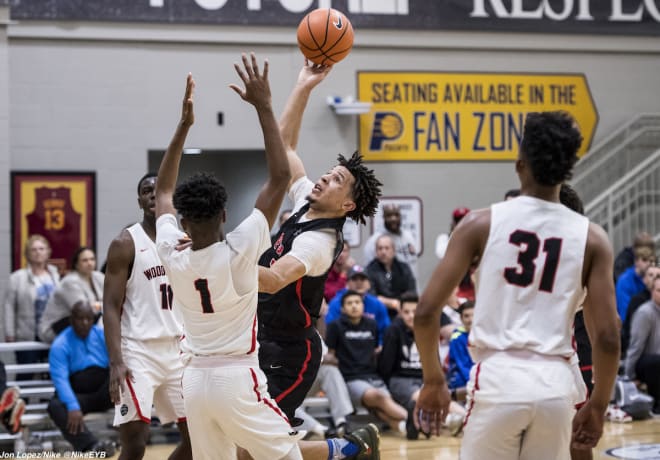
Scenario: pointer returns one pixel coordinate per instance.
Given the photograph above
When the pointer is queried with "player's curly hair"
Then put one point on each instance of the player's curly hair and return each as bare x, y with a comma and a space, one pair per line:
366, 189
550, 144
200, 197
570, 198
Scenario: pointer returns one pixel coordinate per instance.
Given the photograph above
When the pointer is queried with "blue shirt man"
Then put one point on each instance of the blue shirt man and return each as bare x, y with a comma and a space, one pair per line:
79, 368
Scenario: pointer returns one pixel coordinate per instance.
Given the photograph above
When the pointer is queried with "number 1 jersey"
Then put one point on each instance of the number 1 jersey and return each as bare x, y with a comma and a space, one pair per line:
215, 288
529, 281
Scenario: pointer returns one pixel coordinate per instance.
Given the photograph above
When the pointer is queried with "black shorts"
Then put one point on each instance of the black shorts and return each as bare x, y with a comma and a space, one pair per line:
291, 368
583, 349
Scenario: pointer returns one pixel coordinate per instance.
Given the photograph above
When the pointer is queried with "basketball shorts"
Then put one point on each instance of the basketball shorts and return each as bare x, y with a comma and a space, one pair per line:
228, 405
290, 367
157, 370
516, 393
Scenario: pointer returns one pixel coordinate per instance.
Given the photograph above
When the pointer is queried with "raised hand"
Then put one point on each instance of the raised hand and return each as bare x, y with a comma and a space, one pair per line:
187, 113
257, 89
312, 74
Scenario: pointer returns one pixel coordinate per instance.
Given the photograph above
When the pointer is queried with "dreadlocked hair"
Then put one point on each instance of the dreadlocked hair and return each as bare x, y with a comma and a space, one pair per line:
200, 197
550, 144
366, 188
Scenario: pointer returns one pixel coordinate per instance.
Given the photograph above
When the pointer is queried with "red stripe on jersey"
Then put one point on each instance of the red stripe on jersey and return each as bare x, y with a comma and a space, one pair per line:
135, 401
299, 379
586, 368
476, 387
267, 402
181, 420
308, 319
253, 346
255, 388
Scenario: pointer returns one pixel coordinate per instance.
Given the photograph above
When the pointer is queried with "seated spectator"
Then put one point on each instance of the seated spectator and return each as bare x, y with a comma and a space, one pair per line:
12, 406
637, 300
82, 283
26, 296
399, 363
336, 279
643, 357
79, 368
460, 361
630, 282
389, 277
626, 258
358, 281
353, 340
403, 240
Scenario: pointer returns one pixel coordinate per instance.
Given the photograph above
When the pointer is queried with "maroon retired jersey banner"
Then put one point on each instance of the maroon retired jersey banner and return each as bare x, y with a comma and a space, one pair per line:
58, 206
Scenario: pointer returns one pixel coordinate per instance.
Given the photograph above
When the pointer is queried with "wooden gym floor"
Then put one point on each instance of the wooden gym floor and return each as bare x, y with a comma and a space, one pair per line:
396, 447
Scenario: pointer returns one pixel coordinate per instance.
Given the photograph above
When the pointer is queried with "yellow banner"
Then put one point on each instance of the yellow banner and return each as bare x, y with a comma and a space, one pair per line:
422, 116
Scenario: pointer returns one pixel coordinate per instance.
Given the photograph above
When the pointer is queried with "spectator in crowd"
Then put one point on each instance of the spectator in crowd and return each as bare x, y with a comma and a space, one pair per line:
637, 301
353, 340
403, 240
358, 281
630, 282
389, 276
643, 357
510, 194
82, 283
79, 367
400, 367
626, 258
460, 361
443, 238
11, 404
27, 294
336, 279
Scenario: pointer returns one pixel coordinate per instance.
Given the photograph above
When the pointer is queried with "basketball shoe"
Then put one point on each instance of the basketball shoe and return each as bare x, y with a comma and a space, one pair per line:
367, 438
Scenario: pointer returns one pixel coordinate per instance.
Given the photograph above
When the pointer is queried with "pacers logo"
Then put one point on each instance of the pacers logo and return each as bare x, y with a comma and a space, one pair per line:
388, 126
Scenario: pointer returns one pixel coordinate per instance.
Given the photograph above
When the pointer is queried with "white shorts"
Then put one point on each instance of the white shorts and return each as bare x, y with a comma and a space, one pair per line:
520, 406
228, 405
157, 369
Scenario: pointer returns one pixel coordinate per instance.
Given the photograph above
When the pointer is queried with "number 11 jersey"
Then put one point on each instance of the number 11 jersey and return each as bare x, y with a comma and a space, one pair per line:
529, 281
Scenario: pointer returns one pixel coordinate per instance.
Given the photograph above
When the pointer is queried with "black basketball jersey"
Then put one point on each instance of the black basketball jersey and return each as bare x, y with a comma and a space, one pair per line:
292, 311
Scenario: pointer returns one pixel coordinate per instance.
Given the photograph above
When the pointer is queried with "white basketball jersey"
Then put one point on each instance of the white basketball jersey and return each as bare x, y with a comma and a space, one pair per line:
529, 281
216, 288
147, 310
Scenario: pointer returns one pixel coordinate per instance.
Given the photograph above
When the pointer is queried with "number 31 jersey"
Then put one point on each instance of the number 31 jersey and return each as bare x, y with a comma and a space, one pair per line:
529, 281
215, 288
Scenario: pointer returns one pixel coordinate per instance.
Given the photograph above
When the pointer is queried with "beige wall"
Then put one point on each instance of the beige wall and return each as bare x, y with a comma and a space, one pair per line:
99, 97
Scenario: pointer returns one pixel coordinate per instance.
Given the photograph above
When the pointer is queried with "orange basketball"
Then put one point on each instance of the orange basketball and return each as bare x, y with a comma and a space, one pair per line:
325, 36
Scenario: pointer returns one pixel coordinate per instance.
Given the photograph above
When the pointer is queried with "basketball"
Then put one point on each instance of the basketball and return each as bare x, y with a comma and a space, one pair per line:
325, 36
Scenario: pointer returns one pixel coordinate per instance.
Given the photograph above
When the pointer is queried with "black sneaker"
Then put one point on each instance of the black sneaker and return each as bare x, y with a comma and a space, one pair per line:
367, 438
107, 447
412, 433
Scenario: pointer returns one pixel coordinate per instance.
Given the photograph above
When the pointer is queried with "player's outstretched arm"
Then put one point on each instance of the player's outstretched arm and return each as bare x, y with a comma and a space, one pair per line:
291, 120
169, 166
467, 242
257, 92
120, 256
603, 327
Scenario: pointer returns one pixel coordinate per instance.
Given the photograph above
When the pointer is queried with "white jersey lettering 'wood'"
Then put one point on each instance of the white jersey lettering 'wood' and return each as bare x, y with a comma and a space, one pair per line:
529, 281
147, 312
